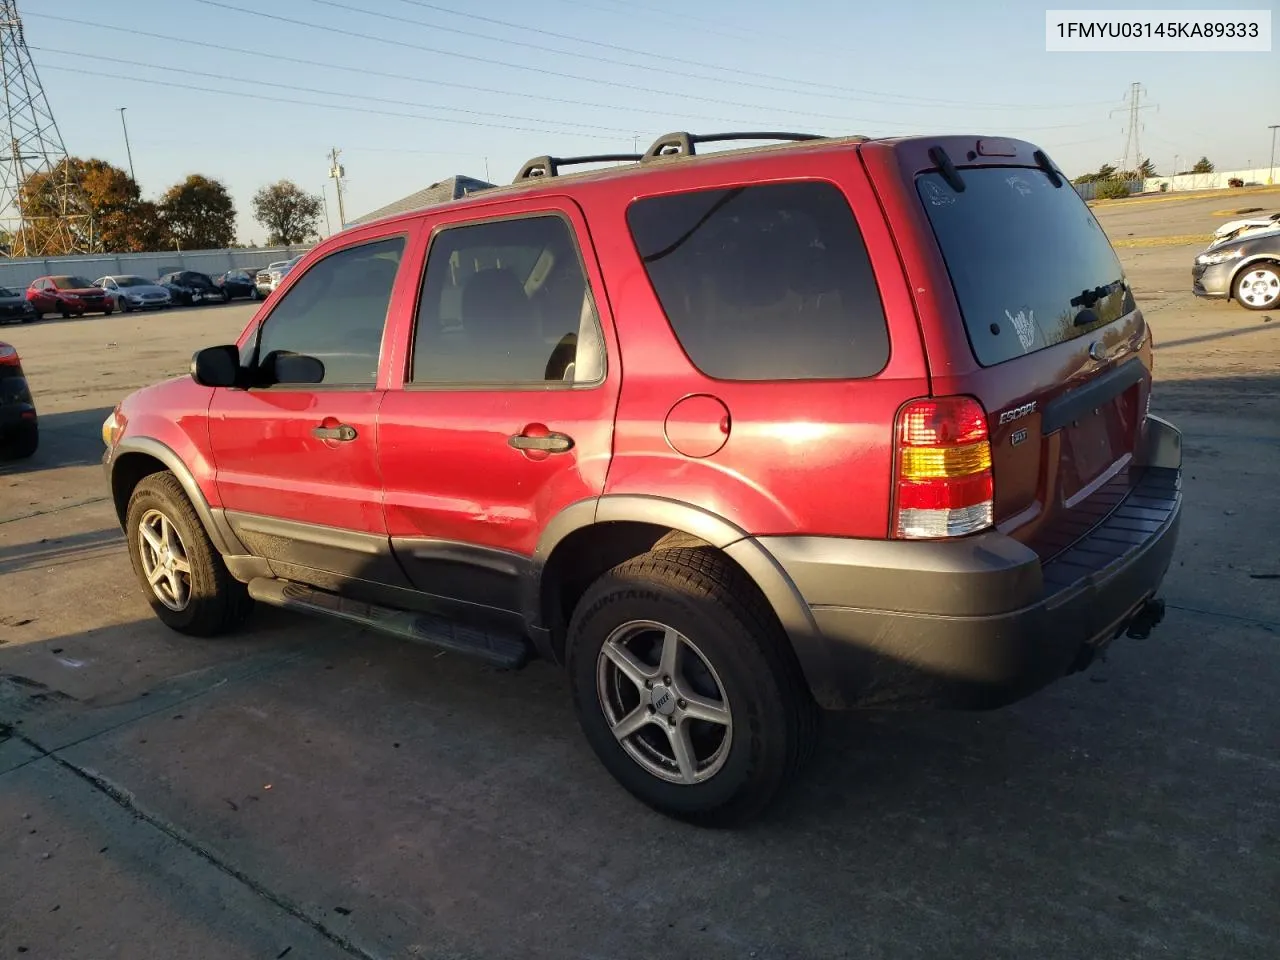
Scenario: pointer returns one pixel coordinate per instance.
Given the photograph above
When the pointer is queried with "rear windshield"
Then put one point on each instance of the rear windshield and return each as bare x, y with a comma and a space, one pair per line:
1030, 265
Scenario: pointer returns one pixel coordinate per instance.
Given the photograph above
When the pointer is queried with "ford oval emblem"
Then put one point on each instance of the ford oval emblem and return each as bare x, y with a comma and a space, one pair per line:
1097, 351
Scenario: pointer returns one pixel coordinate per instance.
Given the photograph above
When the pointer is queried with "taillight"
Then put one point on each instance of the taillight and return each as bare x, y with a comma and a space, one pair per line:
8, 355
944, 485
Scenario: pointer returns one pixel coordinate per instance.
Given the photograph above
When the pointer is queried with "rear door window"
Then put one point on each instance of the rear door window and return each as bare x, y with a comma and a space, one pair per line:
769, 282
1030, 265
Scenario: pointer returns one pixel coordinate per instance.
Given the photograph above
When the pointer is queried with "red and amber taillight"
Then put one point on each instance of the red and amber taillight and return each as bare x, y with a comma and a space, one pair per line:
9, 356
943, 482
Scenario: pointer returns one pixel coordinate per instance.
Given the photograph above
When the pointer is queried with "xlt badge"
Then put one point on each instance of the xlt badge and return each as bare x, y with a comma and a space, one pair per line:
1017, 413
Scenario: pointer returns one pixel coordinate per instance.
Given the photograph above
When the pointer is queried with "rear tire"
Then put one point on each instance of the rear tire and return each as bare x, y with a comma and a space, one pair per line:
22, 443
179, 569
1260, 282
735, 664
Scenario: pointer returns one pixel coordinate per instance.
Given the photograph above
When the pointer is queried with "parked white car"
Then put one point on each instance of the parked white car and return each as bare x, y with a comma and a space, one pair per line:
134, 293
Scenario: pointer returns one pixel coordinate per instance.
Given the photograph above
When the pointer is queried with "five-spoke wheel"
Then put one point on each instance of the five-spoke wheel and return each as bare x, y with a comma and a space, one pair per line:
664, 702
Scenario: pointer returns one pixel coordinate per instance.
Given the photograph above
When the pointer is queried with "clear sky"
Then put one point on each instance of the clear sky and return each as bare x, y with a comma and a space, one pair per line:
413, 91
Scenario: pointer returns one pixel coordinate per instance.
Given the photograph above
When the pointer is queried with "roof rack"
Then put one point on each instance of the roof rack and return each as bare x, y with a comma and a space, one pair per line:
683, 143
540, 167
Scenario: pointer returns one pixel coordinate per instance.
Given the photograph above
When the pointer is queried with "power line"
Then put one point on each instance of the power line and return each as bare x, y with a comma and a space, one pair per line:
837, 92
523, 94
81, 56
368, 111
502, 63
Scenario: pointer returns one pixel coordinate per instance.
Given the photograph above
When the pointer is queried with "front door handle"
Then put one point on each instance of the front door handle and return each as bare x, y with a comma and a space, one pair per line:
341, 433
547, 443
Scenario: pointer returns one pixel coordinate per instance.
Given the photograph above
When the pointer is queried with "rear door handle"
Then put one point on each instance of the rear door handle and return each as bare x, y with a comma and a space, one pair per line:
548, 443
342, 433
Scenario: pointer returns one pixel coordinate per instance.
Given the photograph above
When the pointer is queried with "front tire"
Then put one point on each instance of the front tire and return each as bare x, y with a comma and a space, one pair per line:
686, 688
181, 573
1258, 286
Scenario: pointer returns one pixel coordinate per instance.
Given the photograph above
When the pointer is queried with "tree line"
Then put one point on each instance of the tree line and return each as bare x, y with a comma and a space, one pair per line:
106, 213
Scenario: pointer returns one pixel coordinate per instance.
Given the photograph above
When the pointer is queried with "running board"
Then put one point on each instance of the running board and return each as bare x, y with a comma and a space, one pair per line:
505, 650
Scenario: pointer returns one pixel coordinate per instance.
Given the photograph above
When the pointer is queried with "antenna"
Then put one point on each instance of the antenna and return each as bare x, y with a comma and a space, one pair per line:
40, 200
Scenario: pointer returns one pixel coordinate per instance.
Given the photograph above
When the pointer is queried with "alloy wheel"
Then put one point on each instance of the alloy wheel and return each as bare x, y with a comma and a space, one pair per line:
164, 560
664, 702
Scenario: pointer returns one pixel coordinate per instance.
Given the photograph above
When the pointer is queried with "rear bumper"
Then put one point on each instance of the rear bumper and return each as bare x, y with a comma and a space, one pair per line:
980, 622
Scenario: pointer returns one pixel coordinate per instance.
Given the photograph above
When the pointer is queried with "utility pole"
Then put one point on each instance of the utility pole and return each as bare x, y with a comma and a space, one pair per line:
336, 172
1272, 177
128, 152
324, 196
1132, 151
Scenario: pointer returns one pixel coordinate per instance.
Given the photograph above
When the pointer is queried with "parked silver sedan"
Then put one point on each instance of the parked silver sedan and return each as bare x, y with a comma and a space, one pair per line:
134, 293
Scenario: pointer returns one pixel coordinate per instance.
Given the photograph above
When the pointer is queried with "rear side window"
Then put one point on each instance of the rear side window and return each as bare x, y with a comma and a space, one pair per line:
1030, 265
768, 282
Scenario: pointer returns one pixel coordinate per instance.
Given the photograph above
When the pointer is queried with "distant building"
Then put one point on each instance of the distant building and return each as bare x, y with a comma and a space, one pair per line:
454, 188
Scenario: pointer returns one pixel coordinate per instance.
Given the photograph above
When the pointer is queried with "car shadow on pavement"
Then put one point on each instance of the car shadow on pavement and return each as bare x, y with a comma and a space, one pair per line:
66, 440
298, 751
1264, 325
59, 551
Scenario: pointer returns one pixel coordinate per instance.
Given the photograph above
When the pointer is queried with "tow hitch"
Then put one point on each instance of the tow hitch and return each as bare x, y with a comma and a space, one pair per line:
1145, 620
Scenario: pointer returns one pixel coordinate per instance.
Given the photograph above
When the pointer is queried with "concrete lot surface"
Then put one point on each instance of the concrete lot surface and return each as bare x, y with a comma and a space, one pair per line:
304, 789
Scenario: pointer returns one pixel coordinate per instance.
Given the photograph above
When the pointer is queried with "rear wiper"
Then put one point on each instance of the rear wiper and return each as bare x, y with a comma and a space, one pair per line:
1088, 298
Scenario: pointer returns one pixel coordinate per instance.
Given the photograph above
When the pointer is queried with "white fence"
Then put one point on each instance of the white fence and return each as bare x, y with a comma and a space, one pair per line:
18, 273
1210, 181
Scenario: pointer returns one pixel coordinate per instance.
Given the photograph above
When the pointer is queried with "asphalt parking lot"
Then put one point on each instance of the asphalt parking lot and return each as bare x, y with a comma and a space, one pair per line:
308, 790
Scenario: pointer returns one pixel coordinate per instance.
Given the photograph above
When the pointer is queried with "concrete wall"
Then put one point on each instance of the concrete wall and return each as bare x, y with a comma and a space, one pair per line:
18, 273
1211, 181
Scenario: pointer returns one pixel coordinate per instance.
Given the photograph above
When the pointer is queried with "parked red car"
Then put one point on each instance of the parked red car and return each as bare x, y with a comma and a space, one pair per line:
829, 424
69, 296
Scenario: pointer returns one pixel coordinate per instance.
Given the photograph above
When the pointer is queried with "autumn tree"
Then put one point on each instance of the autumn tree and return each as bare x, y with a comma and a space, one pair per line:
290, 214
101, 205
198, 214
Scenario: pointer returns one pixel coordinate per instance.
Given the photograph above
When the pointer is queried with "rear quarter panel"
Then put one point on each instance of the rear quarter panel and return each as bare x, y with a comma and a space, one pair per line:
810, 457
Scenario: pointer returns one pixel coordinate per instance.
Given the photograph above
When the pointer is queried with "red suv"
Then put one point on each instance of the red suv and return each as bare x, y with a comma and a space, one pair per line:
733, 437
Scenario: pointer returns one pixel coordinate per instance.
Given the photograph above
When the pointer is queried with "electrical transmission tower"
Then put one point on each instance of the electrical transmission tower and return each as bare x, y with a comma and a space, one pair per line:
1131, 156
46, 218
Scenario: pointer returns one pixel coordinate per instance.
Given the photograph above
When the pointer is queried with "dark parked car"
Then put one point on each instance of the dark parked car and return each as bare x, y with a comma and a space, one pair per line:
15, 307
188, 287
69, 296
238, 283
19, 428
882, 438
1244, 265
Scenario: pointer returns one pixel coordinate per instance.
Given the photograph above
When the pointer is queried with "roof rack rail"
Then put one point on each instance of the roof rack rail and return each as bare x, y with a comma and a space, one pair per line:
547, 166
683, 143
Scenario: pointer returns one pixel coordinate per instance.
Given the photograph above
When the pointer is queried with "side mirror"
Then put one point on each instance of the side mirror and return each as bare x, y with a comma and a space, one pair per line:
216, 366
280, 366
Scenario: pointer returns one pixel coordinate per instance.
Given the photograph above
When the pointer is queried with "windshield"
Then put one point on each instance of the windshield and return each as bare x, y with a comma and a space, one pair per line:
1030, 265
132, 282
6, 292
71, 283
